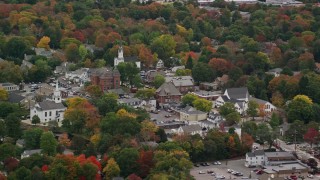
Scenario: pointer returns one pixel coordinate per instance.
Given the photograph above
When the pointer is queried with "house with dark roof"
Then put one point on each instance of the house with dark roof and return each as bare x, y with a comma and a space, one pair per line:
106, 78
167, 93
237, 96
15, 98
50, 110
264, 106
150, 75
185, 84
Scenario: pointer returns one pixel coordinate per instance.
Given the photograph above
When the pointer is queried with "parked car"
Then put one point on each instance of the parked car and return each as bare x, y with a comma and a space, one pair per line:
218, 162
310, 176
229, 170
220, 177
196, 165
209, 171
259, 172
201, 172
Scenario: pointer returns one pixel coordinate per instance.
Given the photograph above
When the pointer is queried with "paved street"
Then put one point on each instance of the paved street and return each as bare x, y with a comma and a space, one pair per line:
237, 165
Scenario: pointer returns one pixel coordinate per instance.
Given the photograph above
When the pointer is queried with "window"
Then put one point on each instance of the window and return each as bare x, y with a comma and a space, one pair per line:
45, 114
50, 113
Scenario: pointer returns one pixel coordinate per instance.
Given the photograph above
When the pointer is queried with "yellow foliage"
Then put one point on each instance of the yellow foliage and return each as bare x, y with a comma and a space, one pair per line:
147, 125
3, 95
124, 113
95, 139
44, 42
303, 98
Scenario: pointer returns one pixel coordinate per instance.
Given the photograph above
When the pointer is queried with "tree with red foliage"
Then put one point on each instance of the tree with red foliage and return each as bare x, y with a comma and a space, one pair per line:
145, 162
134, 177
311, 136
79, 35
220, 65
11, 164
45, 168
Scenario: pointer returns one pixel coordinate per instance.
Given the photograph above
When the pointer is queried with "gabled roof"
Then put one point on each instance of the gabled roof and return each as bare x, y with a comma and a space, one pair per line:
256, 153
168, 89
191, 110
191, 128
237, 93
180, 80
130, 100
131, 59
50, 105
259, 101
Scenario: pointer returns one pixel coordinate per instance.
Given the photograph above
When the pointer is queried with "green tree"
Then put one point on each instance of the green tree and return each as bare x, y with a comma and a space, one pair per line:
137, 81
275, 121
3, 130
83, 52
201, 72
32, 138
23, 173
233, 118
127, 160
107, 103
48, 143
128, 71
112, 169
188, 99
249, 127
264, 134
13, 124
16, 47
252, 109
35, 119
145, 93
158, 80
9, 150
226, 109
202, 105
72, 52
89, 170
189, 64
235, 73
164, 46
296, 131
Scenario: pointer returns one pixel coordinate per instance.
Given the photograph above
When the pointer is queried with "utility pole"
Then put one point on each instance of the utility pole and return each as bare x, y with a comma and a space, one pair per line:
295, 141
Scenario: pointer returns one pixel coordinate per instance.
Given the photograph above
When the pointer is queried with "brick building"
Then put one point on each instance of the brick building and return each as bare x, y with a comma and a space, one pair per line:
167, 93
106, 78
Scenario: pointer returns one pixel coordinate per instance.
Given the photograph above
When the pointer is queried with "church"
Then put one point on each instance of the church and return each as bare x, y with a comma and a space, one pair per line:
50, 110
121, 58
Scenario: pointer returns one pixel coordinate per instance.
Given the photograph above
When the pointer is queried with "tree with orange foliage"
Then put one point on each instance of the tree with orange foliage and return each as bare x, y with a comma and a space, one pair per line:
146, 56
206, 41
247, 141
145, 162
79, 115
44, 42
220, 65
64, 140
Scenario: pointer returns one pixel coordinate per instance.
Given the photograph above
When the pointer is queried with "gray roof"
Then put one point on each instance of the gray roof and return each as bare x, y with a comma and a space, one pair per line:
191, 128
15, 98
102, 72
259, 101
131, 59
191, 110
256, 153
130, 100
279, 154
275, 70
237, 93
50, 105
30, 152
7, 84
168, 89
180, 80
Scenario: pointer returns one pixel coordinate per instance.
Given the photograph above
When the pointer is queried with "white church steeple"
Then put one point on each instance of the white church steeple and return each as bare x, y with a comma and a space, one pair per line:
57, 94
120, 52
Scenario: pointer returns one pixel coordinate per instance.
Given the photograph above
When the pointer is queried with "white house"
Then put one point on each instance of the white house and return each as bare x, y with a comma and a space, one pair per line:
9, 87
275, 72
134, 102
256, 158
266, 106
160, 64
121, 58
28, 153
238, 96
50, 110
191, 114
261, 158
190, 129
78, 76
213, 121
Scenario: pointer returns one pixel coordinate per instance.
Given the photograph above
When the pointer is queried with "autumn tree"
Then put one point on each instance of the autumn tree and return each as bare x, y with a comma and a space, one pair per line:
72, 52
146, 56
311, 136
64, 140
94, 91
219, 65
145, 162
112, 169
44, 43
79, 115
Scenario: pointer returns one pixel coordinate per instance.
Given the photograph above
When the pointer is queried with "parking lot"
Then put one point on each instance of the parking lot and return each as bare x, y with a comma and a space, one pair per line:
162, 116
221, 170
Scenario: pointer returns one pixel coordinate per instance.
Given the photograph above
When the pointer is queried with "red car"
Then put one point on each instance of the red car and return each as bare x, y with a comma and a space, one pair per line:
259, 172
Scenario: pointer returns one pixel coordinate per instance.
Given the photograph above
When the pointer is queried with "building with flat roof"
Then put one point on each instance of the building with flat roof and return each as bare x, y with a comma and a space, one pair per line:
9, 87
288, 170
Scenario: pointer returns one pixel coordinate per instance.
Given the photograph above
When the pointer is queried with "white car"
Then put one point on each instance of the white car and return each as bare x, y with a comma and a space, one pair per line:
201, 172
220, 177
310, 176
218, 162
229, 170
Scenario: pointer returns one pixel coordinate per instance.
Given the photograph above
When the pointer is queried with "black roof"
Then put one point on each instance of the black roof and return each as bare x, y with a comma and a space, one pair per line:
49, 105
